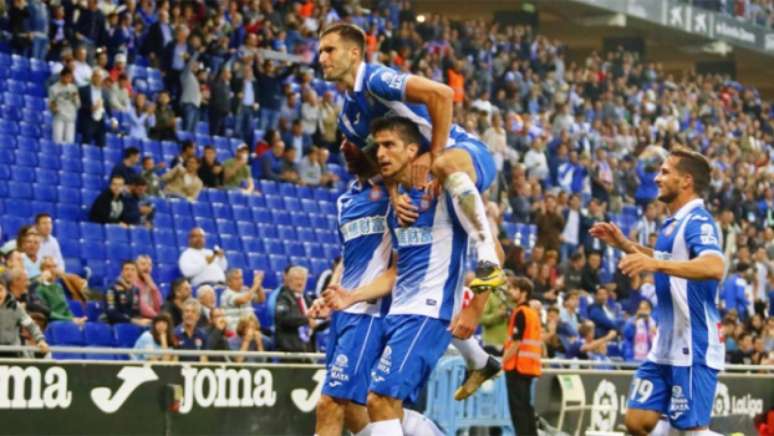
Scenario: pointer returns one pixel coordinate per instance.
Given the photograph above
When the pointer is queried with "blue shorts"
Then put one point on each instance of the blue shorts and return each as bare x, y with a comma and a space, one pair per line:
683, 393
353, 347
483, 162
412, 346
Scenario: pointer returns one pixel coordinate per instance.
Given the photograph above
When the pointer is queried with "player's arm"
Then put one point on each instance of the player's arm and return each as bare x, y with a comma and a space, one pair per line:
338, 298
707, 267
439, 100
612, 235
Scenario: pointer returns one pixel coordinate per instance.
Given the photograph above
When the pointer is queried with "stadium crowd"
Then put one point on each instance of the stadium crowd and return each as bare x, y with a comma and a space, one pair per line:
760, 12
575, 143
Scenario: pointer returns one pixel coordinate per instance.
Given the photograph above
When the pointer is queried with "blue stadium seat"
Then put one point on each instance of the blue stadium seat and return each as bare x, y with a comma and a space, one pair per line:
300, 219
118, 251
72, 180
127, 334
142, 250
6, 156
66, 333
253, 245
326, 236
23, 175
237, 197
140, 235
261, 215
181, 207
331, 251
70, 246
94, 310
69, 211
226, 227
240, 213
43, 206
43, 175
22, 209
93, 250
313, 250
20, 190
236, 259
288, 190
302, 261
267, 231
44, 192
66, 228
275, 202
292, 204
223, 211
287, 232
182, 237
256, 201
164, 237
245, 229
217, 196
93, 167
99, 334
167, 272
11, 224
96, 181
207, 224
92, 231
279, 216
25, 143
167, 254
327, 207
277, 263
72, 164
294, 248
27, 158
310, 206
76, 308
269, 187
274, 246
29, 130
202, 210
319, 265
163, 220
305, 192
231, 243
88, 195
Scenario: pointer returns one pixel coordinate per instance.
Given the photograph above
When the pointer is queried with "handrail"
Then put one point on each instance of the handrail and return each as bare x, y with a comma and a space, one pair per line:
619, 365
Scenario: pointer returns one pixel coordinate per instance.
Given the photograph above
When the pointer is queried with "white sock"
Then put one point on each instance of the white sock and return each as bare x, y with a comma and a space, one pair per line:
390, 427
417, 424
705, 432
474, 355
470, 210
366, 431
662, 428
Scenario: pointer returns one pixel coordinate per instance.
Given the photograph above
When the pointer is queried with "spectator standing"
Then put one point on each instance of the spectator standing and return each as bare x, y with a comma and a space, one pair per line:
122, 299
126, 169
310, 112
140, 117
237, 300
210, 169
191, 95
158, 338
14, 317
601, 314
550, 224
311, 169
646, 226
108, 207
38, 27
494, 322
236, 171
189, 335
165, 127
18, 20
91, 117
183, 181
270, 93
292, 324
174, 59
571, 236
220, 101
246, 102
328, 122
536, 161
639, 332
160, 34
91, 26
149, 295
202, 265
52, 294
733, 295
64, 101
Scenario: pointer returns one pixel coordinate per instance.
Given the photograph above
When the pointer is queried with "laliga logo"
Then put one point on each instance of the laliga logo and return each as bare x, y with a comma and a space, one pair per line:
605, 407
727, 404
722, 403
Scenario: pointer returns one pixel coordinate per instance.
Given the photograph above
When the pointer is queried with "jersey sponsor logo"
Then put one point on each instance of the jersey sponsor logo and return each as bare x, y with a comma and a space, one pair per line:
414, 236
679, 404
708, 235
392, 79
338, 371
385, 362
372, 225
376, 194
662, 255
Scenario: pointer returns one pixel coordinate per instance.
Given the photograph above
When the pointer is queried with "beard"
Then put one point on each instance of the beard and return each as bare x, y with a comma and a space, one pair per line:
667, 196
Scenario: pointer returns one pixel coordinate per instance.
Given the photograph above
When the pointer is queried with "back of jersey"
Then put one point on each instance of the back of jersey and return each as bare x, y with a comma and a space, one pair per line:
431, 260
366, 245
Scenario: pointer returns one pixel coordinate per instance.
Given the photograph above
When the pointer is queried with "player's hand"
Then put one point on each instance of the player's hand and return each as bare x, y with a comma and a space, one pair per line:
320, 309
464, 324
405, 210
336, 297
637, 263
608, 233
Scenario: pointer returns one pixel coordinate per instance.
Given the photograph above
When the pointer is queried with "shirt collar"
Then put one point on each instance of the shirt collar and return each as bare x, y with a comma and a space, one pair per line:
688, 207
359, 77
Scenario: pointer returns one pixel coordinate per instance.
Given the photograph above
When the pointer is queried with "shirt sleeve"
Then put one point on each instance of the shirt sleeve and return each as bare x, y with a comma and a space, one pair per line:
701, 237
387, 84
518, 328
191, 264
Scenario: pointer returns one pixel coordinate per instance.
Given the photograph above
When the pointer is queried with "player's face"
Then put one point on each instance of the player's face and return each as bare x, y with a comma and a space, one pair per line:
337, 57
669, 180
392, 154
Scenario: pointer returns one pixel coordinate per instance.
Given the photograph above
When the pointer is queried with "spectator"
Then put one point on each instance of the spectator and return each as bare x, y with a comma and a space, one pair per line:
19, 287
108, 207
49, 245
289, 168
18, 20
271, 162
494, 321
270, 93
187, 149
536, 162
207, 298
639, 333
310, 113
586, 346
595, 213
328, 122
64, 101
210, 169
174, 59
28, 242
311, 169
647, 189
123, 298
160, 34
217, 335
52, 294
118, 94
150, 174
141, 117
733, 296
549, 224
158, 338
248, 338
646, 226
149, 295
568, 314
297, 140
189, 335
180, 293
570, 235
202, 265
744, 354
220, 101
246, 102
184, 182
14, 317
573, 272
91, 117
238, 300
236, 171
601, 314
165, 128
137, 209
126, 168
293, 327
191, 96
91, 27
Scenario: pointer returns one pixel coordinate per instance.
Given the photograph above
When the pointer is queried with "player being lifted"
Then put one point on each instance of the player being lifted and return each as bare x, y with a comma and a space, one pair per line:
425, 279
459, 161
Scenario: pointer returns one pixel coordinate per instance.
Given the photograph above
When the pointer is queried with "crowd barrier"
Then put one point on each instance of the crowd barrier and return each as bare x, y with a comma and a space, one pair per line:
278, 396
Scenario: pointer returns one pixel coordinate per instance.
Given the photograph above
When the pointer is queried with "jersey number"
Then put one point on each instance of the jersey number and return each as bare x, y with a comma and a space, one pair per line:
641, 388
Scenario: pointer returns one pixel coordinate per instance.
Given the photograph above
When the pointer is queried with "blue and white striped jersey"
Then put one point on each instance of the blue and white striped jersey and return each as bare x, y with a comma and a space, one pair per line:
688, 319
380, 91
431, 260
366, 243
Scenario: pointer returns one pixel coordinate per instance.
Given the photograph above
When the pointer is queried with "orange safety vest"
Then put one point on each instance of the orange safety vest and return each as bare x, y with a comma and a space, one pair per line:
457, 83
527, 361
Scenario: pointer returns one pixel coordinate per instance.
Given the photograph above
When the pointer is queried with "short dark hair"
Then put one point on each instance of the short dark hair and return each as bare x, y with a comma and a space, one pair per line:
66, 71
138, 181
348, 32
406, 129
176, 285
695, 165
523, 284
40, 216
128, 262
130, 152
188, 143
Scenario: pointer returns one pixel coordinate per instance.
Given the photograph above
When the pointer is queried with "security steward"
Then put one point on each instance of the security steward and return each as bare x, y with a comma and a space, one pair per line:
521, 358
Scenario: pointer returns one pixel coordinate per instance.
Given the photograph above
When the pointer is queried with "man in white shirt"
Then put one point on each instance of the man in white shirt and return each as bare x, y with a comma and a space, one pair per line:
49, 247
237, 299
201, 265
572, 223
83, 70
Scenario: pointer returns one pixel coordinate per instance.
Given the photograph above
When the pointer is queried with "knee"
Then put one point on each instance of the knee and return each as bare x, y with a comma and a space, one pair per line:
637, 426
328, 406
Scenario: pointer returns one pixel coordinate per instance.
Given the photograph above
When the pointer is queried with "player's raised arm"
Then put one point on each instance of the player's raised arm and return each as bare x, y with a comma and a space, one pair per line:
612, 235
439, 99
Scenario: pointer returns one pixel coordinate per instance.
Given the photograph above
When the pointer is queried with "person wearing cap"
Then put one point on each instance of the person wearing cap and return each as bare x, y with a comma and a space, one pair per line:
236, 171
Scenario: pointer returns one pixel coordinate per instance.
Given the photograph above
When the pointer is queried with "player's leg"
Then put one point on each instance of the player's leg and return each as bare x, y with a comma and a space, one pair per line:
417, 424
648, 398
385, 412
464, 179
481, 366
693, 394
330, 416
356, 419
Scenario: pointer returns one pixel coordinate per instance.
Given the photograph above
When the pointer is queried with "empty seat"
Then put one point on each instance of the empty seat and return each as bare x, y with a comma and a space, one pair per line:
69, 179
44, 192
93, 250
164, 237
127, 334
65, 228
66, 333
76, 308
240, 213
140, 236
94, 310
92, 231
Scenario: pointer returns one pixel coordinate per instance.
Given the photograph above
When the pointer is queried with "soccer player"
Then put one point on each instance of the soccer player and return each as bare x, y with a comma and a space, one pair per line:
425, 279
679, 376
458, 160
